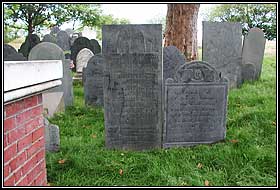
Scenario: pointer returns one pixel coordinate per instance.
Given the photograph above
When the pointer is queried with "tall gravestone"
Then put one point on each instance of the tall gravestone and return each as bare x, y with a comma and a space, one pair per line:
93, 81
30, 41
63, 40
132, 86
11, 54
252, 54
221, 48
82, 59
50, 51
195, 106
49, 38
172, 60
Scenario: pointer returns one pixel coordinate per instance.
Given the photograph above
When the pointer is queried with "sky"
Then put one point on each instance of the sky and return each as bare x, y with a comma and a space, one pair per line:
141, 14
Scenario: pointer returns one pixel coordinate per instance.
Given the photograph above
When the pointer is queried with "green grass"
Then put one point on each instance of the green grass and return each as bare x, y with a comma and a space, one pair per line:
249, 162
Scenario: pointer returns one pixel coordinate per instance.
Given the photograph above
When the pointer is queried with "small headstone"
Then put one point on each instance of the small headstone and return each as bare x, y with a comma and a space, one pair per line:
50, 51
52, 137
49, 38
11, 54
82, 59
132, 86
252, 54
30, 42
93, 81
221, 48
195, 106
63, 40
172, 60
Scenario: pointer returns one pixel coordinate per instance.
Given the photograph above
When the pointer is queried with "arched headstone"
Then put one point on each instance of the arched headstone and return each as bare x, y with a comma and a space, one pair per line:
30, 41
82, 59
63, 40
93, 81
49, 38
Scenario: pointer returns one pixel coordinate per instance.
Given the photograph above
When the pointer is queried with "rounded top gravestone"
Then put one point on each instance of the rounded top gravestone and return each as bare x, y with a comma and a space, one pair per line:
49, 38
30, 41
54, 30
63, 40
172, 60
82, 59
95, 45
11, 54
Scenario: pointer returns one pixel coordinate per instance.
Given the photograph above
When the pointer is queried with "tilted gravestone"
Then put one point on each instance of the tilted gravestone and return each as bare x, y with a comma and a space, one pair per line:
221, 48
49, 38
82, 59
172, 60
30, 42
11, 54
132, 86
52, 137
50, 51
252, 54
195, 106
63, 40
93, 81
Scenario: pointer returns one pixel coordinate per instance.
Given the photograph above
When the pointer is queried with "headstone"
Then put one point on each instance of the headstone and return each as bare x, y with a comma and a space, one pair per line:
52, 137
172, 60
11, 54
54, 30
50, 51
49, 38
69, 31
195, 106
132, 86
95, 46
63, 40
221, 48
82, 59
30, 41
93, 81
252, 54
73, 37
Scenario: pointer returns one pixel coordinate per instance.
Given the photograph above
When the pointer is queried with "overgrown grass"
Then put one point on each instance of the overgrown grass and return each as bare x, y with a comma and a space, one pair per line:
246, 158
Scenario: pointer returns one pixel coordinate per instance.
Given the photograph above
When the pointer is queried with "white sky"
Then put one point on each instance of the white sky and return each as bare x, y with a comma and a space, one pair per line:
141, 14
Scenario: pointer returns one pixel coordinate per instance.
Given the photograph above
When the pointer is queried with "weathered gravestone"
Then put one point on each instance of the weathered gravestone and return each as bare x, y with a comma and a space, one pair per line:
252, 54
132, 86
54, 30
63, 40
52, 137
93, 81
172, 60
82, 59
30, 41
83, 42
49, 38
195, 106
69, 31
50, 51
11, 54
221, 48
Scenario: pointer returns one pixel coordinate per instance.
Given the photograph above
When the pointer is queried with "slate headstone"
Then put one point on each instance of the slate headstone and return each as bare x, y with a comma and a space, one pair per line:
82, 59
30, 41
11, 54
52, 137
63, 40
132, 86
93, 81
221, 48
195, 106
95, 46
172, 60
50, 51
49, 38
252, 54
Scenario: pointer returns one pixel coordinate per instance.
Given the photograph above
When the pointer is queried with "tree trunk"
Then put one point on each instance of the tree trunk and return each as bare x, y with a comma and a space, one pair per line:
181, 29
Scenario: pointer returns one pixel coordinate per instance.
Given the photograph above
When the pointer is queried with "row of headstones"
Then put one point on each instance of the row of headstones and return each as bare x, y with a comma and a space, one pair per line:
126, 78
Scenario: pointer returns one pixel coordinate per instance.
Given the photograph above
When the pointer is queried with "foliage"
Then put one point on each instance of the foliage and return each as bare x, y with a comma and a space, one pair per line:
247, 157
250, 15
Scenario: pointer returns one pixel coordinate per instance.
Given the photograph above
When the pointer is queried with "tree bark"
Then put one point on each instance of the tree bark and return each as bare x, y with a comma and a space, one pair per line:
181, 28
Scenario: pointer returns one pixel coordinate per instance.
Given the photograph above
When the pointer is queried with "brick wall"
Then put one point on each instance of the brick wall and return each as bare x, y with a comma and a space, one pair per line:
24, 143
